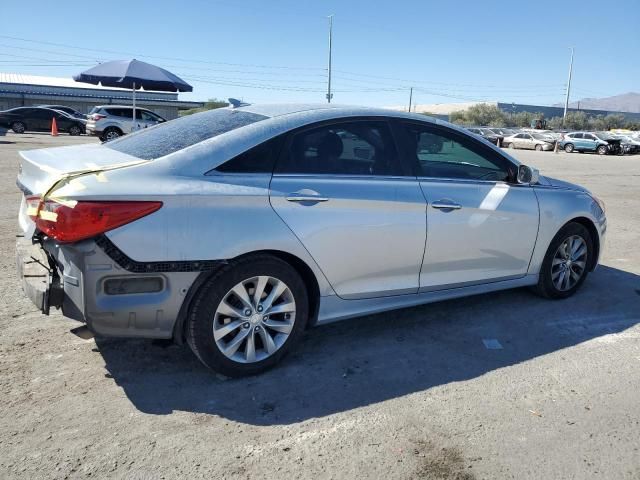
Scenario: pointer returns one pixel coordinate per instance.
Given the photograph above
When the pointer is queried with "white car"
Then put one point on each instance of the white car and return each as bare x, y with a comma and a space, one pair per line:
531, 141
112, 121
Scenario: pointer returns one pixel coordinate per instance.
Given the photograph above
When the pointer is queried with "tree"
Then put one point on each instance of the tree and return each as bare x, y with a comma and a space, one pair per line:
480, 114
210, 104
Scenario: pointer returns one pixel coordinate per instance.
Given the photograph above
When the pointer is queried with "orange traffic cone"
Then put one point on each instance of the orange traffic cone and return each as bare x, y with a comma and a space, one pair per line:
54, 127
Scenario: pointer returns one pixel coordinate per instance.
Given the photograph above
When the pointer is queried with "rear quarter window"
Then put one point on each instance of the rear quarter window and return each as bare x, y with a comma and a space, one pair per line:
169, 137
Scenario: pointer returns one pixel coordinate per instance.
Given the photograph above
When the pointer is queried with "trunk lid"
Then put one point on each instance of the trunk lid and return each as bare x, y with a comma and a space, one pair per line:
41, 169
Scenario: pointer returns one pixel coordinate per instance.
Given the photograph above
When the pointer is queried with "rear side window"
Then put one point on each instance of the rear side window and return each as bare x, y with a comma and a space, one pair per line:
259, 159
169, 137
346, 148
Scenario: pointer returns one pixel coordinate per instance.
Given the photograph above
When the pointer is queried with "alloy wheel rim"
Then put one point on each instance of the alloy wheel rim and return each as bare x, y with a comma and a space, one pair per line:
569, 263
254, 319
111, 135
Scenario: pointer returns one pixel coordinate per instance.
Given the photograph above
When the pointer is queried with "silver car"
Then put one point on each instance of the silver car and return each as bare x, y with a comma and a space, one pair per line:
531, 141
238, 228
112, 121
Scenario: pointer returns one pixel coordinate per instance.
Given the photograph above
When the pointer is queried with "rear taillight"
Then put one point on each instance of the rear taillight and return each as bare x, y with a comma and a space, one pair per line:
96, 116
73, 221
33, 204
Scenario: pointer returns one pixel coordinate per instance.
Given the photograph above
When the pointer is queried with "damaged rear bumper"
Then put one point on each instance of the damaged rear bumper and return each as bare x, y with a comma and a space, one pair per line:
40, 282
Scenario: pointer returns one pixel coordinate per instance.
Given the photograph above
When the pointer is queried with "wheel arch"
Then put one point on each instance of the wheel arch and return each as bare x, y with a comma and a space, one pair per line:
305, 272
595, 238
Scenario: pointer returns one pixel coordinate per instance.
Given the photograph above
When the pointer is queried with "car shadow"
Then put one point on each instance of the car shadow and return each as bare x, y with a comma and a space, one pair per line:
362, 361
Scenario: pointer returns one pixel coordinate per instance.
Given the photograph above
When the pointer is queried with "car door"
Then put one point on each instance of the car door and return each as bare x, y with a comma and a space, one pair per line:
578, 141
529, 142
481, 227
340, 188
590, 142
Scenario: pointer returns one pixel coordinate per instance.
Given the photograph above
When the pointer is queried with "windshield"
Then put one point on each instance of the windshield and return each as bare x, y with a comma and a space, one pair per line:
166, 138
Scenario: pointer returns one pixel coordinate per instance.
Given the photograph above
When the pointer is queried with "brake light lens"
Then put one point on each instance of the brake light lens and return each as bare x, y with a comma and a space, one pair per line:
33, 204
96, 116
73, 221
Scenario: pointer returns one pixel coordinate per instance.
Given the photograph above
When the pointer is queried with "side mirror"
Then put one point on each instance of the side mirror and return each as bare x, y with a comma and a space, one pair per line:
528, 175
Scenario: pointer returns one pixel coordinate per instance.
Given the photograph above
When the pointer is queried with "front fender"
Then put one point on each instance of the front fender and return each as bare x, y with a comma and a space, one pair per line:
557, 208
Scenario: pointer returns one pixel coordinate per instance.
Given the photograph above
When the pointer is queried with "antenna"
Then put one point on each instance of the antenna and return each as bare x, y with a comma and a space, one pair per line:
235, 103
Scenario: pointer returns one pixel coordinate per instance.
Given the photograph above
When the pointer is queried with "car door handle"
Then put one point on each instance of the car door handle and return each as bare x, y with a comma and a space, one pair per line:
306, 196
446, 205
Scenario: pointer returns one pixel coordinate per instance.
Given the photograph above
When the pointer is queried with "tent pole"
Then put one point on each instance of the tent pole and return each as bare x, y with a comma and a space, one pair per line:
133, 122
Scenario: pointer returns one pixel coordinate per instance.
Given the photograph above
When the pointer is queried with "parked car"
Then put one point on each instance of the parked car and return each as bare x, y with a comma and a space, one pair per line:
628, 144
531, 141
38, 119
63, 108
236, 229
487, 135
588, 142
504, 132
112, 121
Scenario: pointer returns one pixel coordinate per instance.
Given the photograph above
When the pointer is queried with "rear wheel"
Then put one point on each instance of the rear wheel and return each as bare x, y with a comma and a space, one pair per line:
568, 147
18, 127
111, 133
248, 315
566, 263
602, 150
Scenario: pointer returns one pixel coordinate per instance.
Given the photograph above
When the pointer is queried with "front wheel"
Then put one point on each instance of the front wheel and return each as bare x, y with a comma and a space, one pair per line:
602, 150
248, 315
566, 263
75, 130
568, 147
538, 148
18, 127
512, 146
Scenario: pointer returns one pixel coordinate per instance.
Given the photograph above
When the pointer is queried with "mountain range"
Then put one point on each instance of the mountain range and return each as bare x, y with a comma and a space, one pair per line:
626, 102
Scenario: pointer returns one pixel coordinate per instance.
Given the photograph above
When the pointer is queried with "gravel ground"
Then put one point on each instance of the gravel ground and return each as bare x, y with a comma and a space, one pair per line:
408, 394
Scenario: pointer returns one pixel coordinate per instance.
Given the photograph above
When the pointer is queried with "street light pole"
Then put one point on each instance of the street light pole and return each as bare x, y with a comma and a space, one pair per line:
410, 98
566, 100
329, 94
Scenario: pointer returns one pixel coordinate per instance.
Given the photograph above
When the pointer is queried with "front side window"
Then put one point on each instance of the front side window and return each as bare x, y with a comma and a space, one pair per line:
169, 137
347, 148
444, 153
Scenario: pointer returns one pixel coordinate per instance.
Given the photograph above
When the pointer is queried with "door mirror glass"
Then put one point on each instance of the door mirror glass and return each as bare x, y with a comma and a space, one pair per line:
528, 175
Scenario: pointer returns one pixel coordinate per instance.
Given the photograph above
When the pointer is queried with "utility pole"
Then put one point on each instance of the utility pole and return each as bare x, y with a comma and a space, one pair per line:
329, 94
410, 98
566, 100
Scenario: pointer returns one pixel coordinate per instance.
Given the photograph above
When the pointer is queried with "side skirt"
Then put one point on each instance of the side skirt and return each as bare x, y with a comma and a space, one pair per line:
334, 308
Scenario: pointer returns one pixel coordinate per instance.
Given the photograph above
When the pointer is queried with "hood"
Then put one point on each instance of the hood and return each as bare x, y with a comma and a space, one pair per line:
555, 183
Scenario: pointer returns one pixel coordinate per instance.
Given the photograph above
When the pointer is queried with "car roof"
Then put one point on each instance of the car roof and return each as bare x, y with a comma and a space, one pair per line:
120, 106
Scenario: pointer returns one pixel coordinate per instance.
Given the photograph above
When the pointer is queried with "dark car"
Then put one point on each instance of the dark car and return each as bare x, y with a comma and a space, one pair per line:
38, 119
63, 108
487, 135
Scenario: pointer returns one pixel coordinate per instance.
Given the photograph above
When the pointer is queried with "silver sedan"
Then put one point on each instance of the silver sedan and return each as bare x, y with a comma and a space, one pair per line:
236, 229
531, 141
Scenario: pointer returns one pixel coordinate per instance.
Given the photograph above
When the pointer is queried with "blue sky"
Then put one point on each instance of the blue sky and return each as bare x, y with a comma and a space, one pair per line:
450, 51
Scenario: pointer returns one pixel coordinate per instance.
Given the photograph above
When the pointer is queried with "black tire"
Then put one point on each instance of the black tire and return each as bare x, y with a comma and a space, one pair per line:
545, 286
18, 127
111, 133
200, 322
512, 145
569, 147
602, 150
538, 148
75, 130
